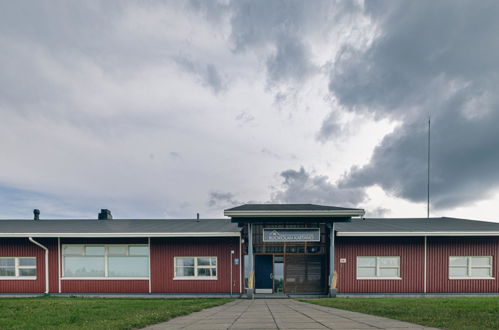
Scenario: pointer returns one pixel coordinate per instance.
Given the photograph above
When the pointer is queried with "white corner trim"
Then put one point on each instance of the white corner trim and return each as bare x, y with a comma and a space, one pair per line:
47, 267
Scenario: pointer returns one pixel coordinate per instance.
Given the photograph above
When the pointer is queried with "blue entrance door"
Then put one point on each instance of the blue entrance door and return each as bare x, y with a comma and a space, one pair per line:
263, 273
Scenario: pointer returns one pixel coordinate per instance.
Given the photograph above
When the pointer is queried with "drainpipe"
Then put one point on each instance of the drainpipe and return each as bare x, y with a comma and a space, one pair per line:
332, 291
46, 263
425, 263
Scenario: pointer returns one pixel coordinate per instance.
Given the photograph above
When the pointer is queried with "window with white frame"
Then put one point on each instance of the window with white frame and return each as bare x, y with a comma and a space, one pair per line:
470, 267
17, 268
105, 261
378, 267
195, 267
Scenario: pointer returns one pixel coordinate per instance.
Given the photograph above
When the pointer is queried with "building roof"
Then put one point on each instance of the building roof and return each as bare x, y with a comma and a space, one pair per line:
291, 210
119, 228
225, 228
417, 227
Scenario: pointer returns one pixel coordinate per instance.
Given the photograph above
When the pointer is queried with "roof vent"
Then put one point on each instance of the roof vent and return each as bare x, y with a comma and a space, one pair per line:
36, 214
105, 214
197, 217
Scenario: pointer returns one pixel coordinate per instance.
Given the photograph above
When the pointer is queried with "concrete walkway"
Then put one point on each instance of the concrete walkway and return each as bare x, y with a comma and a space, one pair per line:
280, 314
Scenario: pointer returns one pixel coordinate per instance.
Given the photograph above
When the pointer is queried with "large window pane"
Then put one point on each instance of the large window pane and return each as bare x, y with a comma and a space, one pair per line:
128, 266
84, 266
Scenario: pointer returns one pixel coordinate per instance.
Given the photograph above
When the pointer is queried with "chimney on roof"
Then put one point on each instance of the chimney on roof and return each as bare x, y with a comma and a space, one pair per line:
105, 214
36, 213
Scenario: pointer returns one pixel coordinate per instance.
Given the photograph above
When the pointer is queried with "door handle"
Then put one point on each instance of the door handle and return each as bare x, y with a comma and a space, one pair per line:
271, 276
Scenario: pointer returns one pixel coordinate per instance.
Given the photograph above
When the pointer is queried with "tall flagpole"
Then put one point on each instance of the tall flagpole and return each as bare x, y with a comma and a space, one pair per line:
428, 179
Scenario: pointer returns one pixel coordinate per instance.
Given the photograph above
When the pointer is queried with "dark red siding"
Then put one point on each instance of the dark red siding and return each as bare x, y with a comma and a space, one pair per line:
163, 251
105, 286
439, 250
22, 247
410, 250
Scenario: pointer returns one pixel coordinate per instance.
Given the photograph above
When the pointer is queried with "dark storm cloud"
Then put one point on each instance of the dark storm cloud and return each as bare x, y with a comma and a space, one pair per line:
284, 26
303, 187
222, 199
430, 57
208, 74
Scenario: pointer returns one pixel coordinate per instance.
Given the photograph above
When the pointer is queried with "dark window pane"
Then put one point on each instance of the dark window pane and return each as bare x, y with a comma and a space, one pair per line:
185, 271
7, 272
203, 261
204, 272
27, 272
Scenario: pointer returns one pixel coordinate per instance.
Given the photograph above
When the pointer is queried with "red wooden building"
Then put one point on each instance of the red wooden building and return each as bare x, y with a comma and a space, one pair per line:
262, 249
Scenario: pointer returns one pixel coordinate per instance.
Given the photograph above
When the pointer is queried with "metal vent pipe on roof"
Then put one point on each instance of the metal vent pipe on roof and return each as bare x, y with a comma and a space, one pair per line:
197, 217
105, 214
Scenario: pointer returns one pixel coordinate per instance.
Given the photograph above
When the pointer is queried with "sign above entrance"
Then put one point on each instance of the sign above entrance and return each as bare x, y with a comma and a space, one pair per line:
291, 235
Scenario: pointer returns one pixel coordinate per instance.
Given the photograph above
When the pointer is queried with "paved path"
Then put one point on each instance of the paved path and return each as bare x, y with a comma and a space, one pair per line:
280, 314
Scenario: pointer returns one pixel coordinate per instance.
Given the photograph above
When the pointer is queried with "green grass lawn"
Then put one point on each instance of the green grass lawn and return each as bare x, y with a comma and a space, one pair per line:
94, 313
446, 313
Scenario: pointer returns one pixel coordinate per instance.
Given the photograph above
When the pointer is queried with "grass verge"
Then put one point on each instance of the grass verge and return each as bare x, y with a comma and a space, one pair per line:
445, 313
94, 313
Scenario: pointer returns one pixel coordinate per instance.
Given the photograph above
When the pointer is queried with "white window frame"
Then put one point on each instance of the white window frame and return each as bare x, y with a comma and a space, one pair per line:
377, 267
17, 267
106, 262
470, 267
196, 267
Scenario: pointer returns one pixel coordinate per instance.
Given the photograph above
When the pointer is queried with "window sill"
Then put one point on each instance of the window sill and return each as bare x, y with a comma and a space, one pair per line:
105, 278
472, 278
195, 278
378, 278
24, 278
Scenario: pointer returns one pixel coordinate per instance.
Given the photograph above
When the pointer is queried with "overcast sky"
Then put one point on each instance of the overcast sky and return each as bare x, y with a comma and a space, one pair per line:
158, 109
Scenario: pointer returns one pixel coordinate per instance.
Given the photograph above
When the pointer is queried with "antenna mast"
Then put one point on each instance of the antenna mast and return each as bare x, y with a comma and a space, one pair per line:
428, 179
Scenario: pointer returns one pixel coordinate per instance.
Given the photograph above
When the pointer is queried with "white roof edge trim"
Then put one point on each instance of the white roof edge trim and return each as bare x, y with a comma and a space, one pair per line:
420, 233
123, 235
294, 213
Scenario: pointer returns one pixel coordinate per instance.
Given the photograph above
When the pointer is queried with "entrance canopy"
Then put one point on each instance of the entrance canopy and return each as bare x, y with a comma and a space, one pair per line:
251, 213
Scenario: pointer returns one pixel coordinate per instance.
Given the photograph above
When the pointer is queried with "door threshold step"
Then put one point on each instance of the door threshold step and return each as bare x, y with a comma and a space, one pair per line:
284, 296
